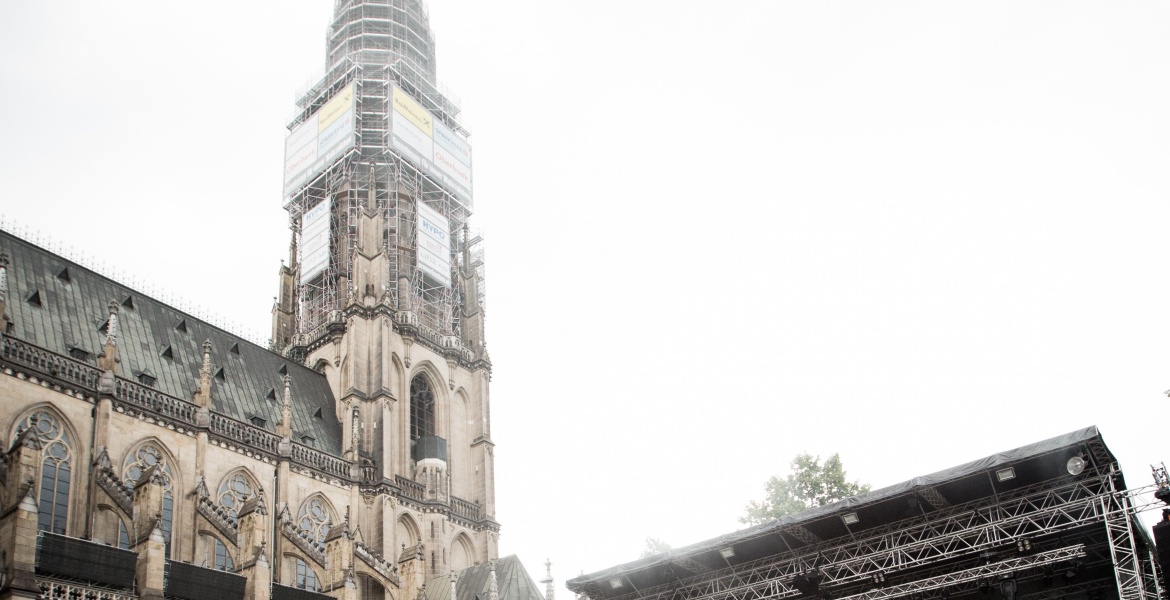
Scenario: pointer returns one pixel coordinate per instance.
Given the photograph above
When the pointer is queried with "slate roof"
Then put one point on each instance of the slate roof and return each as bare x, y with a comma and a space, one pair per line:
73, 310
512, 581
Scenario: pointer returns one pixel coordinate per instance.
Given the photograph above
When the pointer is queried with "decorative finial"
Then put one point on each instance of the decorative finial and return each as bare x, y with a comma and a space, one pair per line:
112, 329
285, 428
493, 586
3, 275
203, 395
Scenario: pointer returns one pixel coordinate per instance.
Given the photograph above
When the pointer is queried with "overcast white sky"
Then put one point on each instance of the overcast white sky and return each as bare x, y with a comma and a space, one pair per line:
718, 234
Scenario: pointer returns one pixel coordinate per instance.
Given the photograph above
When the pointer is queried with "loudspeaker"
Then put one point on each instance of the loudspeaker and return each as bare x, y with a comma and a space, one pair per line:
1162, 541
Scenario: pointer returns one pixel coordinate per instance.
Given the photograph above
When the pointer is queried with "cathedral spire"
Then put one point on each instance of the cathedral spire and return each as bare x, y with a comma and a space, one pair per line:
549, 589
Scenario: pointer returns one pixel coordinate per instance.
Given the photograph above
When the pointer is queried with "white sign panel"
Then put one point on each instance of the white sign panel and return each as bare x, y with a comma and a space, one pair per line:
430, 145
323, 138
315, 241
434, 244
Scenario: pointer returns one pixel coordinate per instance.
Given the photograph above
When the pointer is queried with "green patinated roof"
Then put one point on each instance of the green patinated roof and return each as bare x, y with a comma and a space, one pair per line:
69, 312
512, 581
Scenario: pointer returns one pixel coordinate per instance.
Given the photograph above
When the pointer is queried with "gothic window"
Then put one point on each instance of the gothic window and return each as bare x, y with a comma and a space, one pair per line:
123, 536
422, 408
314, 520
216, 554
305, 578
56, 472
233, 491
139, 462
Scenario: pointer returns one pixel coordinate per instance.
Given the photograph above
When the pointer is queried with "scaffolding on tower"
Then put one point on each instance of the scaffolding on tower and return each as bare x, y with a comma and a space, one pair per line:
375, 66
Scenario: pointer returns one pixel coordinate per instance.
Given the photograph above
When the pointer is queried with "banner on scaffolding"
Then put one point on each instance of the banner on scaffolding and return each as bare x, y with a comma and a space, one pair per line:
323, 138
428, 144
315, 240
434, 244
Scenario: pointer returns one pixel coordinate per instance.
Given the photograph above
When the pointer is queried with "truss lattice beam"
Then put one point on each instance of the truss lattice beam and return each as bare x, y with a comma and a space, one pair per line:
995, 570
964, 532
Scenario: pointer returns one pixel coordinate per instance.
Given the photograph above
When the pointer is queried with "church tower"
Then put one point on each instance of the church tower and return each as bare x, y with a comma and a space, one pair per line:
383, 289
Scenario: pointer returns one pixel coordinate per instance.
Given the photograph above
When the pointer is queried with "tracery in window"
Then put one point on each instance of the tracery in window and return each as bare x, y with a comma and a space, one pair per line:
314, 519
140, 461
56, 471
305, 578
234, 490
422, 408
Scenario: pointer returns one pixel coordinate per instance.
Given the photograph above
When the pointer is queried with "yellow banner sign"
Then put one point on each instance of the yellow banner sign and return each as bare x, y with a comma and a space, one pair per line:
336, 107
407, 107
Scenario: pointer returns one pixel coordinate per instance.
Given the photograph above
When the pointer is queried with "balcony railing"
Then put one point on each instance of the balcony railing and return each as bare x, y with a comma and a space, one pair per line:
155, 401
315, 459
465, 509
410, 489
244, 433
46, 362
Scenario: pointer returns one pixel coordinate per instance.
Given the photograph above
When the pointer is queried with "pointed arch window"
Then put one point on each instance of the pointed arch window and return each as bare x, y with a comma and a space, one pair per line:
123, 536
305, 578
56, 470
234, 490
217, 555
422, 408
314, 520
139, 462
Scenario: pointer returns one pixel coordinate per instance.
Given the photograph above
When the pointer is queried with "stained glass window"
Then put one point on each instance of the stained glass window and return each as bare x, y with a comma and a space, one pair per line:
217, 556
138, 463
422, 408
314, 519
56, 471
306, 579
234, 490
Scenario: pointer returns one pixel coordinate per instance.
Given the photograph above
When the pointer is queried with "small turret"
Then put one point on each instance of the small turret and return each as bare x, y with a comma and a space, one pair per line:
549, 588
203, 394
3, 293
284, 429
108, 361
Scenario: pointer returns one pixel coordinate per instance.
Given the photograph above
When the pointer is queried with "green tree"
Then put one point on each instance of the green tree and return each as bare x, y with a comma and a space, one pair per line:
809, 484
654, 546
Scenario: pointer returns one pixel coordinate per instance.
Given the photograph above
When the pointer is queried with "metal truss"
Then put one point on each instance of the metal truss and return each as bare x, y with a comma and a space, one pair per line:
963, 530
998, 570
1118, 512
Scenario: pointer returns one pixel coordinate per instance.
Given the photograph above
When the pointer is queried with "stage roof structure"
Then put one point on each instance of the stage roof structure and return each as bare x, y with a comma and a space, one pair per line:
1023, 515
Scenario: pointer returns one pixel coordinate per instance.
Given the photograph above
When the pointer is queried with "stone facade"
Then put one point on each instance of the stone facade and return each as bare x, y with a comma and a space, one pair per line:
176, 479
353, 456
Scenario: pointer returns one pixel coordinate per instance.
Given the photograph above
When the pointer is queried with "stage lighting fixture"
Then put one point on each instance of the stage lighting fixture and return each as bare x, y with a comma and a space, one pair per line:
1075, 465
984, 587
615, 583
1005, 474
1023, 545
1008, 588
879, 579
850, 518
727, 552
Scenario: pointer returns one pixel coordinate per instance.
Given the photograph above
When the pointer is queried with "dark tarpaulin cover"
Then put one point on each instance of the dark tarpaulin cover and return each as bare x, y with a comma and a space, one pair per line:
284, 592
86, 561
989, 463
190, 582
